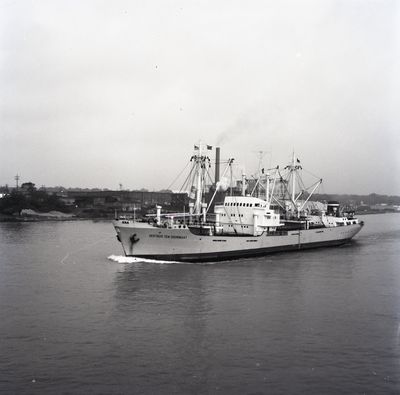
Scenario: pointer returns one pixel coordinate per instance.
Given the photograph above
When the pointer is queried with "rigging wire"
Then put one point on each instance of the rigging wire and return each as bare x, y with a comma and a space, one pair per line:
284, 183
209, 176
186, 182
311, 174
173, 182
193, 179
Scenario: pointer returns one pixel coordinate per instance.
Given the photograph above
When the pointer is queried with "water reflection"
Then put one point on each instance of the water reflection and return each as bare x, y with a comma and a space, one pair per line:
16, 232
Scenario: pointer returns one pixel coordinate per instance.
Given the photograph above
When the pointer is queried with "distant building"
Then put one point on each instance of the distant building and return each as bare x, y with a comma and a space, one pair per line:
27, 188
68, 201
127, 201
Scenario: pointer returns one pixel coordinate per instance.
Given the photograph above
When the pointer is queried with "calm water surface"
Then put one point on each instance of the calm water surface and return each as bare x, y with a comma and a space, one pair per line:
74, 321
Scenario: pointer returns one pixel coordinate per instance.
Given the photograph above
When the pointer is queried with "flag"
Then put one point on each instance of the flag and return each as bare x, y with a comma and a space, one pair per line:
298, 160
196, 147
209, 146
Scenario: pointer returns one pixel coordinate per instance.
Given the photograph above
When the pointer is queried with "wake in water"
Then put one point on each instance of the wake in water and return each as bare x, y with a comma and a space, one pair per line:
132, 259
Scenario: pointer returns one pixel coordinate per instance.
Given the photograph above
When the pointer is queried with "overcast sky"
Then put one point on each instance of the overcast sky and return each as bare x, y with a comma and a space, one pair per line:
97, 93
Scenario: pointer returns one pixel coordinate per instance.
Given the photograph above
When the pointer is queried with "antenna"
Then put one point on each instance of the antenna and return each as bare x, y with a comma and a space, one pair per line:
260, 170
261, 154
16, 178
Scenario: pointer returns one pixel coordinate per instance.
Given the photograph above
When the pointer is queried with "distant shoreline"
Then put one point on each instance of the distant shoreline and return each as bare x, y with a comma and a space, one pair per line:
50, 219
377, 212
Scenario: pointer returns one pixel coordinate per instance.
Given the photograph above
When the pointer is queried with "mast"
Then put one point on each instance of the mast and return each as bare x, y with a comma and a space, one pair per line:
199, 191
230, 182
293, 169
201, 163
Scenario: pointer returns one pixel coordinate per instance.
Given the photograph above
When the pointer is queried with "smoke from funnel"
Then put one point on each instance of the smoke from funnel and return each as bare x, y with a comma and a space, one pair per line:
222, 185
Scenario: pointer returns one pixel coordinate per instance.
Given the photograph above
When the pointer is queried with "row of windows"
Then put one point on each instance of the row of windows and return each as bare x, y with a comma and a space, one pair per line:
345, 223
242, 204
245, 204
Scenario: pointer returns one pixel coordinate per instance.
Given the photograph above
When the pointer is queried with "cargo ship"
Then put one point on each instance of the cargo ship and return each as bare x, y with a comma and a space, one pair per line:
242, 225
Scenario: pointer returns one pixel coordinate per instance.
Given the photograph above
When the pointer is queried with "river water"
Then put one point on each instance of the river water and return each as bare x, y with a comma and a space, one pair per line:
74, 319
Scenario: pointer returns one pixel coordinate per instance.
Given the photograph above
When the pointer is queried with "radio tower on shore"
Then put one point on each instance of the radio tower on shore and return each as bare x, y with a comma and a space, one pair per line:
16, 178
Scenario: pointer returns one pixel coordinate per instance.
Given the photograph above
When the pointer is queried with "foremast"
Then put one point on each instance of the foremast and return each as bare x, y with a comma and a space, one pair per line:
201, 163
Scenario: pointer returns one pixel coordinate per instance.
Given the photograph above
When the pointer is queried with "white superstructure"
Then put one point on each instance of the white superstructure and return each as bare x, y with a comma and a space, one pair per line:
246, 215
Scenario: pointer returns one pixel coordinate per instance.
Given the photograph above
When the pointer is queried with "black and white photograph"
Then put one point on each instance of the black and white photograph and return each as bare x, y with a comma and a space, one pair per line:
199, 197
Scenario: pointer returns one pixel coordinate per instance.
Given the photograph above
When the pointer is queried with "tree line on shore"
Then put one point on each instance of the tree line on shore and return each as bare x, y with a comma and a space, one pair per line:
28, 197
